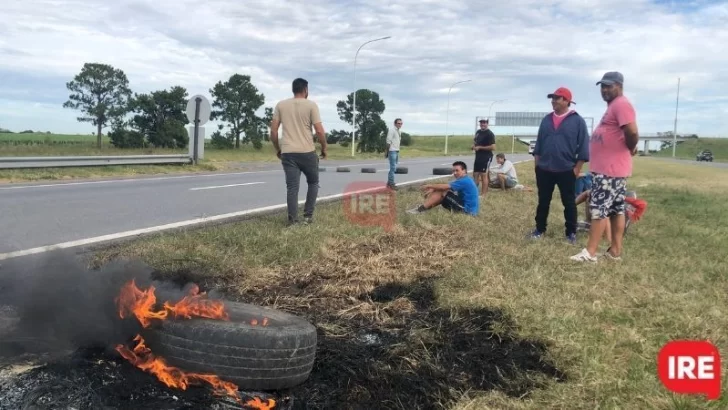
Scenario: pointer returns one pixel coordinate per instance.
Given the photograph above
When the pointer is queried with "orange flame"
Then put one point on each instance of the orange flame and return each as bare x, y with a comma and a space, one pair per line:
258, 404
143, 358
194, 304
140, 303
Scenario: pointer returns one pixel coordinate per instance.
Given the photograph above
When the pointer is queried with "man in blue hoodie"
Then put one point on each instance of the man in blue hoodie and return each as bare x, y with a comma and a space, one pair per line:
562, 148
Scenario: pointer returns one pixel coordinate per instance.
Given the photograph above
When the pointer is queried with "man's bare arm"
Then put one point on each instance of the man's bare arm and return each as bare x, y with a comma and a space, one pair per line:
631, 136
437, 187
485, 147
321, 135
274, 134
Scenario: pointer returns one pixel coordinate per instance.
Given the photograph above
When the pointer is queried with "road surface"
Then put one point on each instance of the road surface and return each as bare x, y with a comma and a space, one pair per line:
38, 217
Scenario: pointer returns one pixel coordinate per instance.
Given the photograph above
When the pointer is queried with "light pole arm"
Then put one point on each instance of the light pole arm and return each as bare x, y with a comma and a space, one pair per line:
447, 112
353, 107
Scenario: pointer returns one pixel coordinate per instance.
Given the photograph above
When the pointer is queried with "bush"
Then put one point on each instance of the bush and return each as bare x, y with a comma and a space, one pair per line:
123, 138
406, 140
220, 140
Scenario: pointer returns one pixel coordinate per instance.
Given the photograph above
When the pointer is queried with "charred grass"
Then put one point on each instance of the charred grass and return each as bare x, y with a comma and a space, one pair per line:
450, 312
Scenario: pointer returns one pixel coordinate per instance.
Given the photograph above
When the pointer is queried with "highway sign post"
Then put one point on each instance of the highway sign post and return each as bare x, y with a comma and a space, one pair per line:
198, 113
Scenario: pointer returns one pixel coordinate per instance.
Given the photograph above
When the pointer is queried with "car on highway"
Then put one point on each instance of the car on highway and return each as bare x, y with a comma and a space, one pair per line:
705, 155
531, 146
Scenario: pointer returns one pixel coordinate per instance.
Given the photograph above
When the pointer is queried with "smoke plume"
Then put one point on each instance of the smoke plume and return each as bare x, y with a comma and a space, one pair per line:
62, 305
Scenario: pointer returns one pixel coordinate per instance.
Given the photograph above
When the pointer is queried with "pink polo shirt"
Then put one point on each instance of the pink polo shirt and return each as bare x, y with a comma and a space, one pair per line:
608, 152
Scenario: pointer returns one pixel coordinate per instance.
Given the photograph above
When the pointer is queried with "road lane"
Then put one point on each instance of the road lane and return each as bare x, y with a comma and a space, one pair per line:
41, 215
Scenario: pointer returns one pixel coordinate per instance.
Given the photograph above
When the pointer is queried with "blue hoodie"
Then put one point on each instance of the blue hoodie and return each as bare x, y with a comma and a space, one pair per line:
559, 150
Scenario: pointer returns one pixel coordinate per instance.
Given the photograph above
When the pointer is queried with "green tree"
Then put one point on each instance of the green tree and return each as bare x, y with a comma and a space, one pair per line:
266, 119
102, 94
160, 117
235, 101
371, 130
336, 136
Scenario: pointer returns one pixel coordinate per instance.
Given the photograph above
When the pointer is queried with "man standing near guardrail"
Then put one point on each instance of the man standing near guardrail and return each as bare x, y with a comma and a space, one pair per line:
562, 147
612, 146
394, 138
297, 152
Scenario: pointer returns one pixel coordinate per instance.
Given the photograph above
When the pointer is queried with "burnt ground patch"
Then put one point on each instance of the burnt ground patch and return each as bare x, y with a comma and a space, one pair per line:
384, 340
96, 378
400, 350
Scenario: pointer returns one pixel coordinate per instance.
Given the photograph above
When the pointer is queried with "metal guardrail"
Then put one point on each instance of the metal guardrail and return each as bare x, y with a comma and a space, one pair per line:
68, 161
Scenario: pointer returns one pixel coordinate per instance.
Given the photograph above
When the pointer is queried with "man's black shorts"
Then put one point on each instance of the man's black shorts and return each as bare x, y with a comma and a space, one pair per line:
482, 164
452, 202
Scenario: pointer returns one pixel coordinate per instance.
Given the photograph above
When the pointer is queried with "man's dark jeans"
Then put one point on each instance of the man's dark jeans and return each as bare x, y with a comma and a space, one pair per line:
293, 165
546, 181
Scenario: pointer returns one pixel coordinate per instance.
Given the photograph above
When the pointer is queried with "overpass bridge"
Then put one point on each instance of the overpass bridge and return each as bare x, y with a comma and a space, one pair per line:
646, 138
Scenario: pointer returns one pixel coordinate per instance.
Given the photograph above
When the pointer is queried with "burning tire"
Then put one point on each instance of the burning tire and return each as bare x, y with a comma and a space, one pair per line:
257, 349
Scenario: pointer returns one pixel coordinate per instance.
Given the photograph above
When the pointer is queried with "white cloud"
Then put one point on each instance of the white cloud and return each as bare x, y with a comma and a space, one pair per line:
518, 50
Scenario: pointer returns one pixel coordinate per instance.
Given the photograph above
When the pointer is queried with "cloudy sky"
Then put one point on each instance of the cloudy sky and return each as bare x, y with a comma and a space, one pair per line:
515, 50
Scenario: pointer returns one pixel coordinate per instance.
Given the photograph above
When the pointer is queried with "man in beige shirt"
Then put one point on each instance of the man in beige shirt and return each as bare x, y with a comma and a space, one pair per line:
297, 150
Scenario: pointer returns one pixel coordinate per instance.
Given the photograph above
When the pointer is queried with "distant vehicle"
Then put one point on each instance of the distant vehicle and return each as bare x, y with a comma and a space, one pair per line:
705, 155
531, 147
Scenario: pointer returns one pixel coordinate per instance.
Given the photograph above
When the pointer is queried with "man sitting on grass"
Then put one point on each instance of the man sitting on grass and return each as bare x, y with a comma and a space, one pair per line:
505, 176
460, 195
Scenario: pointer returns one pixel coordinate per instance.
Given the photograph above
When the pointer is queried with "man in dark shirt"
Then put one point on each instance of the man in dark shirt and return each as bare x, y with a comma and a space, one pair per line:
484, 144
562, 148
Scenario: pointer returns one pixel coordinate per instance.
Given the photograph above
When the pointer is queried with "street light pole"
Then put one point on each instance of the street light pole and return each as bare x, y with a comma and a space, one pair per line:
674, 129
353, 122
447, 113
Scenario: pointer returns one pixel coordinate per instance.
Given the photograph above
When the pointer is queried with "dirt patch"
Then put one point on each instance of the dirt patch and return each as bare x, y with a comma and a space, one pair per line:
384, 340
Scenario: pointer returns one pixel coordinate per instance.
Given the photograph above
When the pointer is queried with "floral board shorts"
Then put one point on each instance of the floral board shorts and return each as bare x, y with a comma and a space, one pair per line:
607, 196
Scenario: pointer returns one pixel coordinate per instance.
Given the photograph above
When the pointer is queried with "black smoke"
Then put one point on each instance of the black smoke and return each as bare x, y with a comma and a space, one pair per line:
60, 304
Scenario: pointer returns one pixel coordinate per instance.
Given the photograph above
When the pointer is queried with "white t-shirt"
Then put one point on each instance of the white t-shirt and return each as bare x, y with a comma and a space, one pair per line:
393, 139
508, 169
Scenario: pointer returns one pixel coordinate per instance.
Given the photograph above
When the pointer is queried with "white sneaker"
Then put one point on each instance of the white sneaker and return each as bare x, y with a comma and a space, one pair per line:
584, 256
420, 209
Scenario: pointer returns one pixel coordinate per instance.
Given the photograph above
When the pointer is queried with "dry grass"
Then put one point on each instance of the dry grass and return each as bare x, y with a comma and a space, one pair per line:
445, 291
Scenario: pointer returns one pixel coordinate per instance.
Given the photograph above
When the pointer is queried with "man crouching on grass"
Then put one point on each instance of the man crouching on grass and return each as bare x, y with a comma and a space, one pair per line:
460, 195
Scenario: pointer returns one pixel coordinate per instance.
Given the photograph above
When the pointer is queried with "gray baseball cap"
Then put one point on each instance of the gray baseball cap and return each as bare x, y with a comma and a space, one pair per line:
611, 77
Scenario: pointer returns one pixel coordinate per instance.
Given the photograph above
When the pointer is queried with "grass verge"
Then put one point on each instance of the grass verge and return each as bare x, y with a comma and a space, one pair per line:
468, 314
692, 147
215, 159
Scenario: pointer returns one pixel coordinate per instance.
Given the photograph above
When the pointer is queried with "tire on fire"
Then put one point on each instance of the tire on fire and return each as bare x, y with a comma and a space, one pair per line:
254, 357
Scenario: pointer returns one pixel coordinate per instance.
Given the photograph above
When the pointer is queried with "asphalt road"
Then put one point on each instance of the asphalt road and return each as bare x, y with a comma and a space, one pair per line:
37, 217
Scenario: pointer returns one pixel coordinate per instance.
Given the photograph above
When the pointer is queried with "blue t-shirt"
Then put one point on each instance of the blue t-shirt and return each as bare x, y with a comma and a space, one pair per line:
467, 190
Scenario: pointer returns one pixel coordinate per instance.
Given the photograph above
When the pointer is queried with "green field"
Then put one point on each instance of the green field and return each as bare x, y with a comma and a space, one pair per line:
472, 314
690, 148
215, 159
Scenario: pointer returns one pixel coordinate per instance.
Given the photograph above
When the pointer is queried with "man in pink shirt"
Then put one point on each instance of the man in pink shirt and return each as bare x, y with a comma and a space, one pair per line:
611, 147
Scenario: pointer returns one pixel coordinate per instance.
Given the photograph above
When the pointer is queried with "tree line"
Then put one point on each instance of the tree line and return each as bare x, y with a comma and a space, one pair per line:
101, 92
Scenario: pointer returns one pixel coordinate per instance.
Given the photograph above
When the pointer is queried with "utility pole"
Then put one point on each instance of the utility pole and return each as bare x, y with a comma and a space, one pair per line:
674, 129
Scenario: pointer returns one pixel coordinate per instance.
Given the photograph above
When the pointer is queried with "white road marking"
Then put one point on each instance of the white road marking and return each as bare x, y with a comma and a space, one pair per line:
134, 180
224, 186
112, 181
196, 221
